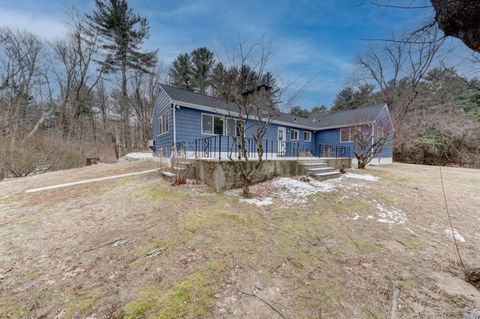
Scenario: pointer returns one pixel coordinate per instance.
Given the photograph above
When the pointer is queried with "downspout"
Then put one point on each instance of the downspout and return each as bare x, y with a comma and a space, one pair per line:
174, 125
373, 133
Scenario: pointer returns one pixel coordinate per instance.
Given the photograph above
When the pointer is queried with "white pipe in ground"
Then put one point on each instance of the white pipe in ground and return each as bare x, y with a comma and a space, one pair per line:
86, 181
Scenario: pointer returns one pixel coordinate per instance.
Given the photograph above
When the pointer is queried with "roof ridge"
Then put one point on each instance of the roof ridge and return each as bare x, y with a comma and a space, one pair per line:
198, 93
350, 110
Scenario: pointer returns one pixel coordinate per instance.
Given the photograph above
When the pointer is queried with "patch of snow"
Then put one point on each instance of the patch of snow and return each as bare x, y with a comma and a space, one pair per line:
233, 192
366, 177
287, 190
390, 216
290, 190
354, 218
455, 233
370, 217
138, 156
257, 202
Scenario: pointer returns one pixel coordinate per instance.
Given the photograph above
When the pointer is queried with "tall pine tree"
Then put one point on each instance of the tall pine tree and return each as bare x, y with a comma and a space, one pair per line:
122, 32
180, 72
202, 62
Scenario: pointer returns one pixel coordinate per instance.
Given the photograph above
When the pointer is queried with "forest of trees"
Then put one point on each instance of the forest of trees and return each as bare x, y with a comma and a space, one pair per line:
88, 94
200, 72
91, 93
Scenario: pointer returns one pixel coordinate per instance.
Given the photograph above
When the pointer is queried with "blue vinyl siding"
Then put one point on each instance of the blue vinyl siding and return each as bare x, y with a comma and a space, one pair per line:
164, 141
383, 119
188, 123
189, 128
332, 136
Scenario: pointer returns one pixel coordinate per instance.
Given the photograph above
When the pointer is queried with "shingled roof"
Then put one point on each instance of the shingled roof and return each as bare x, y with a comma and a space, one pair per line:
330, 120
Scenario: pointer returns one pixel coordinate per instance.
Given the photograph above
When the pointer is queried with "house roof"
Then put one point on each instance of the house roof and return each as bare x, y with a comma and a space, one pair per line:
330, 120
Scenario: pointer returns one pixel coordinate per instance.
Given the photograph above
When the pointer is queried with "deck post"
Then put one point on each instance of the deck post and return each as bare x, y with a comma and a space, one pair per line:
219, 147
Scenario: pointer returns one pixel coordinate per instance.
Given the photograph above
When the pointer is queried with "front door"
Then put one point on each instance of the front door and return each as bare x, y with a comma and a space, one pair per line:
282, 138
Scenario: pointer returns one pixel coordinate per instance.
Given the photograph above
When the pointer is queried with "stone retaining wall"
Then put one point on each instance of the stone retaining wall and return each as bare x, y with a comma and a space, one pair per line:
223, 175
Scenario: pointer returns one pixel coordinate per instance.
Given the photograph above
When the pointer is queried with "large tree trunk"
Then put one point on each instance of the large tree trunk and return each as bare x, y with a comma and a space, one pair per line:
124, 108
460, 19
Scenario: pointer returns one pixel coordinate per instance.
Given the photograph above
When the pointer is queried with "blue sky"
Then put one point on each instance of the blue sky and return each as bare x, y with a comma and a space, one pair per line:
313, 42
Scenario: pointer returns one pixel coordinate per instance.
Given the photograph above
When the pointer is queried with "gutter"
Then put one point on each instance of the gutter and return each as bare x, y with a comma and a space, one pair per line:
225, 112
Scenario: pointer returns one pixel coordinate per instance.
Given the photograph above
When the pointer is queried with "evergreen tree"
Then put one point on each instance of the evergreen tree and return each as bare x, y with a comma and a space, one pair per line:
202, 63
122, 32
181, 72
299, 111
319, 111
345, 100
218, 81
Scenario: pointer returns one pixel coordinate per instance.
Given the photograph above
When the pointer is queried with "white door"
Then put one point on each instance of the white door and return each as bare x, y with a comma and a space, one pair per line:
282, 137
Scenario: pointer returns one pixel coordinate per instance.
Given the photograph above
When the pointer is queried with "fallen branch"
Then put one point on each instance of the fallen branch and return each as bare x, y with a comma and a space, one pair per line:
112, 242
263, 300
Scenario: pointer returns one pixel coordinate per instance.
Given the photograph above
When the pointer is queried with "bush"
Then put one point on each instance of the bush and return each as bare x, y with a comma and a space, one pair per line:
38, 155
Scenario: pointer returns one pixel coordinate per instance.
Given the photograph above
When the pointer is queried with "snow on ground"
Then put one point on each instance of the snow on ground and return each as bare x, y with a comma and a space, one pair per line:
137, 157
366, 177
287, 191
391, 215
455, 233
354, 218
257, 202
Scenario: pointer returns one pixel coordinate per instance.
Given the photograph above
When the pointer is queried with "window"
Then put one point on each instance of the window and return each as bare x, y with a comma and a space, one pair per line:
294, 135
163, 123
307, 136
212, 124
345, 135
233, 127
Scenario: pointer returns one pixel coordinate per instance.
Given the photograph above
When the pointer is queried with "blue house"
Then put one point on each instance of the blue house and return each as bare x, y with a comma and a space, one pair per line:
201, 126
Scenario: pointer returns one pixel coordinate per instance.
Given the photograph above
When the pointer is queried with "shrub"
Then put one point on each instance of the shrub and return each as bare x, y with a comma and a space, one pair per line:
38, 155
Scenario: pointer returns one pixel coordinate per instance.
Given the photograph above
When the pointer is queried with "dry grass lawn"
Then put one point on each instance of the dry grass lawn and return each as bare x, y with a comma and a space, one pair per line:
139, 248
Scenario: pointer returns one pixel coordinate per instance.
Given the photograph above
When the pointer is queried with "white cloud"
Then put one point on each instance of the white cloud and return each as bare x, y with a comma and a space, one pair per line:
48, 27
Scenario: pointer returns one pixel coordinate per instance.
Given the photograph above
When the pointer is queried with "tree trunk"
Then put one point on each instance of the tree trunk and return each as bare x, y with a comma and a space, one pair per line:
124, 109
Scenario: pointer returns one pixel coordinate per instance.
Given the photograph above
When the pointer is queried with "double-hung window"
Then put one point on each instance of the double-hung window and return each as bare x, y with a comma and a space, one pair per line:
307, 136
233, 127
212, 124
163, 123
294, 135
345, 135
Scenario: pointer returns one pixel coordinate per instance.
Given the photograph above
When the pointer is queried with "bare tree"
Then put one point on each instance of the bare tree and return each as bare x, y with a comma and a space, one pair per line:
22, 84
398, 67
254, 105
144, 91
369, 139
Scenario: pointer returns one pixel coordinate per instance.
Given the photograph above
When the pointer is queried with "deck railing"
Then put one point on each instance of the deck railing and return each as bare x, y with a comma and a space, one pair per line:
223, 147
336, 151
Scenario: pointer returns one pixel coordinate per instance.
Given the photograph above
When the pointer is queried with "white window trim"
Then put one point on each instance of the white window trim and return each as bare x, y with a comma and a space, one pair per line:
298, 135
160, 119
213, 124
349, 135
235, 128
309, 134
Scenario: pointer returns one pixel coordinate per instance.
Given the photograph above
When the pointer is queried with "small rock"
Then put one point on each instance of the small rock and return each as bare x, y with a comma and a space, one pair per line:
259, 286
472, 314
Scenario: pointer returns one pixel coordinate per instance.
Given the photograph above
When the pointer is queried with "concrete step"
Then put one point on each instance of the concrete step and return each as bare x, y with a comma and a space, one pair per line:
184, 163
313, 165
325, 176
179, 168
319, 170
315, 161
